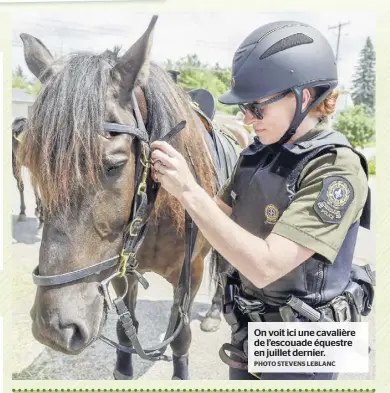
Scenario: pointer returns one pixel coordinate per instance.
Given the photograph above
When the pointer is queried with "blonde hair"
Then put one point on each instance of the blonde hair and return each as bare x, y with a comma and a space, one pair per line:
327, 107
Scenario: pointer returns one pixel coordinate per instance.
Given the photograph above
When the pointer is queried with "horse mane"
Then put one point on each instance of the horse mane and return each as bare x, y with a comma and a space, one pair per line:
60, 144
168, 104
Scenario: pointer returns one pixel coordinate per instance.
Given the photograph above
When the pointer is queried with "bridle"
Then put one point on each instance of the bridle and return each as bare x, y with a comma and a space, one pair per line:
126, 262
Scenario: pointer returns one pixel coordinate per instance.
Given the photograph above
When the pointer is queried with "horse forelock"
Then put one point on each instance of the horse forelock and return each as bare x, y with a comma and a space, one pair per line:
61, 147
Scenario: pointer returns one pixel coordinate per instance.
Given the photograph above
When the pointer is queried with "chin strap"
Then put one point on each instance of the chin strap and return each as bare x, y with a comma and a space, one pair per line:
299, 116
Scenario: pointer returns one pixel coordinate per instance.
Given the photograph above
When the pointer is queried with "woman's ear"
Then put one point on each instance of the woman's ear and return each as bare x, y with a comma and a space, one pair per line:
307, 98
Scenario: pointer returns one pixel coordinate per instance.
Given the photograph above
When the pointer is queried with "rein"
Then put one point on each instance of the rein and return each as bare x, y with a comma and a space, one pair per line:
134, 235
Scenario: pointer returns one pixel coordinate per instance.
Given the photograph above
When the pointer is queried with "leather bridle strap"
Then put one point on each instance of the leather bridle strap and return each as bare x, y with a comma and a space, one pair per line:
138, 115
66, 278
126, 129
133, 240
175, 130
179, 311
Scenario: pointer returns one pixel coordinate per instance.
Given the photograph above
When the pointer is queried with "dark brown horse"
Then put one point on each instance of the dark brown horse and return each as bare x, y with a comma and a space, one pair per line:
86, 179
17, 130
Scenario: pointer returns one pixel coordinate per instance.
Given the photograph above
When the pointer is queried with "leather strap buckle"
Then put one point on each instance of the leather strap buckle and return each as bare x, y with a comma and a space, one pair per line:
341, 309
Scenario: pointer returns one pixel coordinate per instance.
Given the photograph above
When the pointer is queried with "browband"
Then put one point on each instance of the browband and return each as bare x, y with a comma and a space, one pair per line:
126, 129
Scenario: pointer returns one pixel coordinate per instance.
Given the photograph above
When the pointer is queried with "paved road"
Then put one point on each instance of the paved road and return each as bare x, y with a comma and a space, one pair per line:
33, 361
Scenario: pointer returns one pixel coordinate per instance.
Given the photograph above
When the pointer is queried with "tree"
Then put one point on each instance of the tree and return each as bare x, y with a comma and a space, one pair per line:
20, 81
19, 71
34, 87
356, 124
363, 84
195, 75
223, 74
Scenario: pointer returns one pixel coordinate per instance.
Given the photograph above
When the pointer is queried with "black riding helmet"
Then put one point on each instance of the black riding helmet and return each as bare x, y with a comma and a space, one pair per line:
278, 57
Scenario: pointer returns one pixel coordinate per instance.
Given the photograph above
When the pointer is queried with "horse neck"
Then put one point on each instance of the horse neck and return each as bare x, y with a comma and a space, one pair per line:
169, 204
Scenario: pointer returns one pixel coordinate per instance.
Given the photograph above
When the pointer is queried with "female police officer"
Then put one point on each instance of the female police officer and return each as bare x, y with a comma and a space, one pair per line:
287, 220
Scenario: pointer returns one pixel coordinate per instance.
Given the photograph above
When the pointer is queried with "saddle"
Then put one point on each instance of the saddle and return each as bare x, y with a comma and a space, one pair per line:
223, 146
204, 101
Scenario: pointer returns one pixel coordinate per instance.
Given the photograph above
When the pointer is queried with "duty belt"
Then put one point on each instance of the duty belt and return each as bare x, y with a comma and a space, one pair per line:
295, 310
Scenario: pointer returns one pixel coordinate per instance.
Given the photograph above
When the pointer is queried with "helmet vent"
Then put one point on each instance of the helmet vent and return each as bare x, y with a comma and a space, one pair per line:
286, 43
238, 58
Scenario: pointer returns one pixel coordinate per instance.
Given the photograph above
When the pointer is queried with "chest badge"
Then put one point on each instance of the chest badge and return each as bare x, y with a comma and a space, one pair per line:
271, 214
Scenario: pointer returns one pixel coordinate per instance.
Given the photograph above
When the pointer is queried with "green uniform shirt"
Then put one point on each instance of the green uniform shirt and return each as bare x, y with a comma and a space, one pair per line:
303, 222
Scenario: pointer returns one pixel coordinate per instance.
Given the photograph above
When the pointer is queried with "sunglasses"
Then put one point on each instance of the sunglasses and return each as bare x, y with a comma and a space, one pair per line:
256, 108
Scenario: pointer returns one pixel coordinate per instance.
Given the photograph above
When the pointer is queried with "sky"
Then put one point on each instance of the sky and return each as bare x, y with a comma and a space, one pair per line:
213, 36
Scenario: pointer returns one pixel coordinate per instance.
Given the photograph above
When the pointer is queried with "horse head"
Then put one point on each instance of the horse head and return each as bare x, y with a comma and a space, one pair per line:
86, 178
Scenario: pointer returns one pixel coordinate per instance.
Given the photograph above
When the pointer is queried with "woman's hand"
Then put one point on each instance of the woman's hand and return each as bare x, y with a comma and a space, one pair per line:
171, 170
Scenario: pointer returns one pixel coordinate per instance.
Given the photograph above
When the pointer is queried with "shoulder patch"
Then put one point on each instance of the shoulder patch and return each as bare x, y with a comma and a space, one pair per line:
334, 199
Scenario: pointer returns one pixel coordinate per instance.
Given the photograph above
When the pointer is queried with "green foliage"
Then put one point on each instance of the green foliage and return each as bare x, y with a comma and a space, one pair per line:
20, 81
19, 71
372, 167
357, 125
364, 78
35, 87
196, 75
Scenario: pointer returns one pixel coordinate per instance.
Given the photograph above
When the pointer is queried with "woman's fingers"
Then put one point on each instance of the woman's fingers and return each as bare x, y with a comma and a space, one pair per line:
162, 158
159, 167
164, 147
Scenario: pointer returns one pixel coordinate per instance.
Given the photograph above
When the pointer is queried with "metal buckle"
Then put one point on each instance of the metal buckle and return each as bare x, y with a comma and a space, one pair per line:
146, 164
131, 233
104, 285
341, 309
124, 258
142, 185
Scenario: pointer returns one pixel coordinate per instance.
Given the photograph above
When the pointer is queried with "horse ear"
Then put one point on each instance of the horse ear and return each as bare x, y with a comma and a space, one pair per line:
38, 58
133, 66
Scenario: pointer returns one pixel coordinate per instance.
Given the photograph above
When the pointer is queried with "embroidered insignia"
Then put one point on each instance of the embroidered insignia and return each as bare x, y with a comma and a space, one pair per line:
334, 199
271, 214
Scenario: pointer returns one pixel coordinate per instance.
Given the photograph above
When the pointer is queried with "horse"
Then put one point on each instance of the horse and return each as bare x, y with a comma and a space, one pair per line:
86, 147
17, 130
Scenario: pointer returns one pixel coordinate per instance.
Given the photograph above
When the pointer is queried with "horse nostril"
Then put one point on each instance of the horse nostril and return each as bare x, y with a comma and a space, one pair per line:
75, 336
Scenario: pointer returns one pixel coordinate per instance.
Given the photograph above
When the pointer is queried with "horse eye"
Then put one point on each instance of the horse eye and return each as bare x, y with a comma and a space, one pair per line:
114, 170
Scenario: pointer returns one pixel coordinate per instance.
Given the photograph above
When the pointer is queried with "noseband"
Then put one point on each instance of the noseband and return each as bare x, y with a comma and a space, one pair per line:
126, 262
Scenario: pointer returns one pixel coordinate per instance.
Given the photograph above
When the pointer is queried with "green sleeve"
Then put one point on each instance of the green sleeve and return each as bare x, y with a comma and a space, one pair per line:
330, 198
